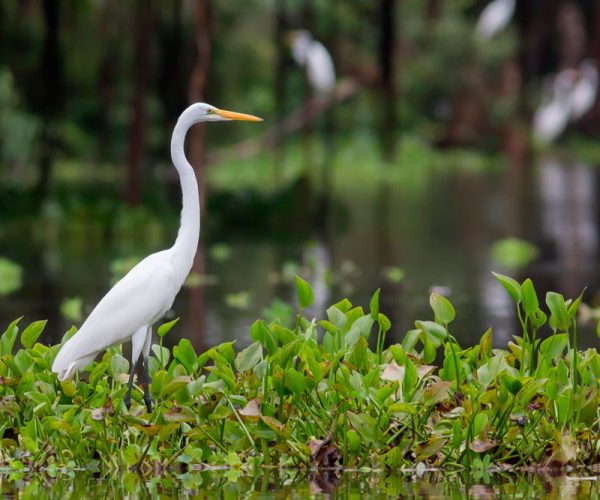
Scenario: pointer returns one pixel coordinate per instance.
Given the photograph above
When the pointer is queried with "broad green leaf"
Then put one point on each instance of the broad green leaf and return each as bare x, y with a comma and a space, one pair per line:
558, 309
7, 341
374, 307
305, 293
365, 426
384, 322
294, 381
259, 332
479, 423
166, 327
184, 353
530, 300
443, 309
511, 383
248, 358
511, 286
553, 346
32, 332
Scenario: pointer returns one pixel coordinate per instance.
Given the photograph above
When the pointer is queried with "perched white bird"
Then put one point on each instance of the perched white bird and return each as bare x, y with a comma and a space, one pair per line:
313, 55
146, 293
494, 18
553, 115
585, 90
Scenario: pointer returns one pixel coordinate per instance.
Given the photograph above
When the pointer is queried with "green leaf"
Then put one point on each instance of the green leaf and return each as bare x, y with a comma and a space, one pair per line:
511, 384
259, 332
511, 286
7, 341
558, 309
184, 353
553, 346
32, 332
479, 423
365, 426
384, 322
409, 384
305, 293
294, 381
248, 358
530, 300
166, 327
375, 305
443, 309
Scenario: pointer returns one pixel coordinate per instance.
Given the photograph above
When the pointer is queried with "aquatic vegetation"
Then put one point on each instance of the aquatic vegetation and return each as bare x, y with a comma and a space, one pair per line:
322, 393
514, 253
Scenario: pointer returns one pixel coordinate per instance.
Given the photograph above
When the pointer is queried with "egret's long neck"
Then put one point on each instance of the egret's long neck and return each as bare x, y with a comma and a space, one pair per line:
186, 243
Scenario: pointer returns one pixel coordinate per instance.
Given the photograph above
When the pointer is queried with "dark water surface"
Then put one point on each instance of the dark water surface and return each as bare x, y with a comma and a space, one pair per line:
233, 484
437, 227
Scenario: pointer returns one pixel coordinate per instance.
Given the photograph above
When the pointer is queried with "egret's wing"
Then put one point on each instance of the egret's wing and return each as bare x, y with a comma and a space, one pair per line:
141, 297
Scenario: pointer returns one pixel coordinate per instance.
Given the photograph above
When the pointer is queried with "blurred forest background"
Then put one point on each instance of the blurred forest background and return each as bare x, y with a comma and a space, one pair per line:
418, 170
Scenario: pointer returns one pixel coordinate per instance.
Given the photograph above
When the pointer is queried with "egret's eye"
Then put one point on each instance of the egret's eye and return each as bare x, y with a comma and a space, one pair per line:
210, 111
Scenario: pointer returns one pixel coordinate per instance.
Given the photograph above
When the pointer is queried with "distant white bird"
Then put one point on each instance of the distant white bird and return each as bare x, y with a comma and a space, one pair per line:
494, 18
585, 90
553, 115
313, 55
146, 293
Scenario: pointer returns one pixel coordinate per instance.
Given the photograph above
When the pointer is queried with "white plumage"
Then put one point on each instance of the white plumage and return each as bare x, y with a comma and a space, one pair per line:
585, 90
146, 293
494, 18
552, 116
313, 55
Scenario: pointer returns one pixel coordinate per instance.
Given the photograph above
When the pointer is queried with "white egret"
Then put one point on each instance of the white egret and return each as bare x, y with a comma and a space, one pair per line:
313, 55
552, 117
494, 18
146, 293
585, 90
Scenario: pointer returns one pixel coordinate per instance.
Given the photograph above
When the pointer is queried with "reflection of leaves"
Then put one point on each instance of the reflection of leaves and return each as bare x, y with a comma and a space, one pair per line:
71, 309
11, 276
514, 253
240, 300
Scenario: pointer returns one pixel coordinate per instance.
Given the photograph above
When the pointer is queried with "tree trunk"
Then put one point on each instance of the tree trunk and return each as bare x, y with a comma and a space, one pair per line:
137, 128
51, 92
196, 93
199, 79
281, 68
386, 62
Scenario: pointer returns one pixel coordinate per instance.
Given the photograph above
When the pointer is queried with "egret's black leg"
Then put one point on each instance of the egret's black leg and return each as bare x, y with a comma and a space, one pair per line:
146, 377
127, 399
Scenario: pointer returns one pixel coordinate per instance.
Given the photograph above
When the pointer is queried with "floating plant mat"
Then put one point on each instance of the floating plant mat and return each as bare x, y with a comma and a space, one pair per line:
324, 393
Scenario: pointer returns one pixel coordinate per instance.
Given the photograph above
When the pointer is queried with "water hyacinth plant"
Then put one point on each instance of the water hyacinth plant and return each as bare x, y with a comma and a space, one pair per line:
325, 393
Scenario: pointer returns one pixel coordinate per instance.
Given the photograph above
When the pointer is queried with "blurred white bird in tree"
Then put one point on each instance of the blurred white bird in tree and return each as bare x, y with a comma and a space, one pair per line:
312, 55
494, 18
553, 115
585, 90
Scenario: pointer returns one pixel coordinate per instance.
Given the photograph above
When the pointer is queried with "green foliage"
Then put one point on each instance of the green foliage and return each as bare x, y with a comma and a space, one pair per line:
514, 253
316, 395
11, 276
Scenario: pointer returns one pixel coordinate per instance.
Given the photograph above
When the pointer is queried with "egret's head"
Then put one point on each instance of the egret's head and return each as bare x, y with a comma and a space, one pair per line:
206, 113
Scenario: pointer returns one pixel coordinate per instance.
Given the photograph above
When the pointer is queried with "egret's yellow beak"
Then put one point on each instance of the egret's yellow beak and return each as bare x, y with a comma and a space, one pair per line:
232, 115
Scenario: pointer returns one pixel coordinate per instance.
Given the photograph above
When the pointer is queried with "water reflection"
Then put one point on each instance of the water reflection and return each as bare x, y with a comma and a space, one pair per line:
230, 484
568, 214
437, 229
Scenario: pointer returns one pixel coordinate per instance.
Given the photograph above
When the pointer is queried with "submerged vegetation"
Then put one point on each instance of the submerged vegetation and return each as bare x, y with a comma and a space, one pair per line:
324, 393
